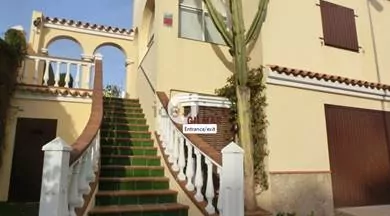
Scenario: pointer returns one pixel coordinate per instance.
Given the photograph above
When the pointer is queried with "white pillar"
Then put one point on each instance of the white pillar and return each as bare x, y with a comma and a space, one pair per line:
232, 181
54, 197
86, 71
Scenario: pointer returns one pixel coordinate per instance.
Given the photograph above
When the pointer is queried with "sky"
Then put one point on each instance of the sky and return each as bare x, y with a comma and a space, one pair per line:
116, 13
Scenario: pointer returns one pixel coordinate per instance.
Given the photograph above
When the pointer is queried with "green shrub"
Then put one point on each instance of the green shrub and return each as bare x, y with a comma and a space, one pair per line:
259, 122
13, 50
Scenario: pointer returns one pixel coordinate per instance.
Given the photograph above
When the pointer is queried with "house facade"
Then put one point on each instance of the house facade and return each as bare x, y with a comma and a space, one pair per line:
326, 66
323, 59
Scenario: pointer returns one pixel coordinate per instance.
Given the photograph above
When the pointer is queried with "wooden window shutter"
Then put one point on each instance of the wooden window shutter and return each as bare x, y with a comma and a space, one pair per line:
339, 26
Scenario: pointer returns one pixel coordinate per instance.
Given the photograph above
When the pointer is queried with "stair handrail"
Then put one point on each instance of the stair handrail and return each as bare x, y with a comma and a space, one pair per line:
229, 166
70, 172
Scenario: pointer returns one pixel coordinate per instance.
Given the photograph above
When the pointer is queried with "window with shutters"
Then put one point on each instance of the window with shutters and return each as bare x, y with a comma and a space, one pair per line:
339, 26
195, 22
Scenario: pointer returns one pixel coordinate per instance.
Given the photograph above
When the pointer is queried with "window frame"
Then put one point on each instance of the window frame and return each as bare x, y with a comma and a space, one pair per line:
203, 10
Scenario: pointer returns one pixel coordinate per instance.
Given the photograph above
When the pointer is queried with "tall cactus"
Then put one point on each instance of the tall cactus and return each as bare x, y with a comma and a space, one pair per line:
237, 39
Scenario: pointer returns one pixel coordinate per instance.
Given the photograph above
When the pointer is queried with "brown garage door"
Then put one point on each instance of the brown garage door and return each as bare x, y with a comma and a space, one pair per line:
359, 155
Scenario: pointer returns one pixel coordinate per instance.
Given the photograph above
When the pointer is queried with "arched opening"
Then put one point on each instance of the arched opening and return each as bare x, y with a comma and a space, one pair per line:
68, 48
114, 68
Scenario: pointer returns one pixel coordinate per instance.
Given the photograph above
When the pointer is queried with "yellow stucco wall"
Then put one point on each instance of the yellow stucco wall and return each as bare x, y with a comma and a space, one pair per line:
297, 133
72, 118
292, 31
184, 63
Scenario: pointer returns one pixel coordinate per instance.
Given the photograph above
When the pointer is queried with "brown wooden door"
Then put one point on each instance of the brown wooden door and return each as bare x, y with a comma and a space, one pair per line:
27, 162
359, 155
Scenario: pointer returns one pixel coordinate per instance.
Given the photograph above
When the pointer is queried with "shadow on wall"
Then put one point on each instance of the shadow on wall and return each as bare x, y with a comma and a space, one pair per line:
27, 203
302, 194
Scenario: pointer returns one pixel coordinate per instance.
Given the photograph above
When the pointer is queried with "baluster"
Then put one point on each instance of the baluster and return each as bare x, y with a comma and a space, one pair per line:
175, 155
57, 76
210, 187
161, 126
168, 138
67, 77
97, 151
36, 68
46, 73
77, 80
75, 200
220, 190
87, 76
89, 164
198, 177
23, 71
190, 167
83, 184
165, 131
171, 144
182, 159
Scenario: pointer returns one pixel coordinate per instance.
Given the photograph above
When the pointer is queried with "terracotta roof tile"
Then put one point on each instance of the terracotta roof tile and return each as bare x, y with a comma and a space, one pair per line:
85, 93
70, 22
327, 77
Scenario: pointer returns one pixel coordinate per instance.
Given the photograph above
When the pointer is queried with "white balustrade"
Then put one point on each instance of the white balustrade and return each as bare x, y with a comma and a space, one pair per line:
64, 186
33, 76
175, 155
231, 176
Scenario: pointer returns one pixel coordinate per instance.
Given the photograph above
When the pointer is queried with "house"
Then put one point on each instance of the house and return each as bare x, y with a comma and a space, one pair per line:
326, 66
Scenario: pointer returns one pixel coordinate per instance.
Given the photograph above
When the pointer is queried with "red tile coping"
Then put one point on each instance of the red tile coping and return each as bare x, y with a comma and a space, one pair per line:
51, 90
202, 145
327, 77
81, 24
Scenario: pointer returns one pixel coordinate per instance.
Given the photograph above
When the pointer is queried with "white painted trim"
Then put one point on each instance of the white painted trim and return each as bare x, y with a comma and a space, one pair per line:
56, 59
88, 31
275, 78
58, 98
189, 99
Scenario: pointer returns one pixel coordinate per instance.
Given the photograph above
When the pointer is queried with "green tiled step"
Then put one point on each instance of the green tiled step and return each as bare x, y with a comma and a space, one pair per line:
133, 183
128, 150
125, 134
130, 160
123, 115
121, 105
110, 141
135, 197
124, 126
122, 109
120, 101
124, 120
131, 171
127, 110
167, 209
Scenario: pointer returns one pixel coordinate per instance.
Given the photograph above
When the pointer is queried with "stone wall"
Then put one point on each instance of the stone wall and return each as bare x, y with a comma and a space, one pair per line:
302, 193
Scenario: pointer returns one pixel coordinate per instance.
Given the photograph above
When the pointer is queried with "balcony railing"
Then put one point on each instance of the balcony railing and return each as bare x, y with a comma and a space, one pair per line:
46, 71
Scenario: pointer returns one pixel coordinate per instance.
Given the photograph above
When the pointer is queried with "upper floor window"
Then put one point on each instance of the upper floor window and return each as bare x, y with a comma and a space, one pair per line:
195, 22
339, 27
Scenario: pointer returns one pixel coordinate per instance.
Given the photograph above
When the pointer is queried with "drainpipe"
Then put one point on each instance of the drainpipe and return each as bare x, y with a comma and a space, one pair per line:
373, 41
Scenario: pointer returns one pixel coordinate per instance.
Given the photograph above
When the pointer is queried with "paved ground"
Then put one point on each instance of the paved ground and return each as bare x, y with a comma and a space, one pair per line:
383, 210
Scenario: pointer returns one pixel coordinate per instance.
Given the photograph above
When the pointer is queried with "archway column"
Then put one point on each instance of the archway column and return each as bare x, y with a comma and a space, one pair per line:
86, 71
131, 79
